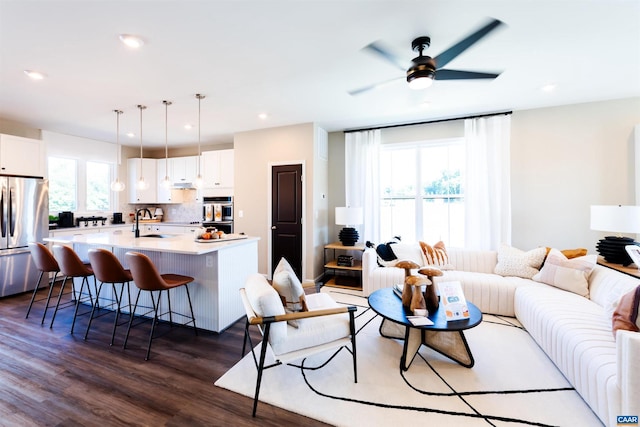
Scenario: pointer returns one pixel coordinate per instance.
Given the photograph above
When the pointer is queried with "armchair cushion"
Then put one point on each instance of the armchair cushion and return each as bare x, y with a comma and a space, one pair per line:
288, 286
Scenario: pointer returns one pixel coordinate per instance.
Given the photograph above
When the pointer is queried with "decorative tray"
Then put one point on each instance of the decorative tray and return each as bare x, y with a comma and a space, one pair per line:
227, 238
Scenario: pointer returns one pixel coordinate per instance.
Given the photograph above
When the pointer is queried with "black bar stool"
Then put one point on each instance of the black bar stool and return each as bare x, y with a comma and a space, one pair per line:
45, 263
147, 278
107, 269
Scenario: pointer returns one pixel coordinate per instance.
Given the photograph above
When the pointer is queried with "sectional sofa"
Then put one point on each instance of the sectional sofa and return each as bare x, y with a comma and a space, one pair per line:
574, 330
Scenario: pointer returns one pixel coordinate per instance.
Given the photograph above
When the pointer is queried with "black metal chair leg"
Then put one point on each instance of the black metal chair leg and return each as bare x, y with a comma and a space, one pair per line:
46, 307
75, 311
263, 352
118, 302
154, 321
132, 316
193, 317
353, 345
35, 291
59, 298
93, 310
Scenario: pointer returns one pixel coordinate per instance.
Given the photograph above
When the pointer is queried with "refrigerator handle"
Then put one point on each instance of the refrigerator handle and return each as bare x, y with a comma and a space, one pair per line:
12, 212
3, 211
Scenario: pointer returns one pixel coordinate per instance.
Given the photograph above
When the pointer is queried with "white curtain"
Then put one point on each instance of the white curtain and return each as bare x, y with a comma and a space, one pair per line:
361, 180
487, 184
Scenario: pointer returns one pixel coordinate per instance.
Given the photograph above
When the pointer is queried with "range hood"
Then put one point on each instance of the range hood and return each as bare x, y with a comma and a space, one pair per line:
181, 185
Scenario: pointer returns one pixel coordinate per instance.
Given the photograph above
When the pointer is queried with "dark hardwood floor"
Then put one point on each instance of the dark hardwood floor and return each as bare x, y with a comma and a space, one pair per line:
52, 378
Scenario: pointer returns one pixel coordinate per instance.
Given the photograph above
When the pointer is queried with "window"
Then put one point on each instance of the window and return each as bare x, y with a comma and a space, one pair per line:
62, 185
98, 186
422, 191
78, 185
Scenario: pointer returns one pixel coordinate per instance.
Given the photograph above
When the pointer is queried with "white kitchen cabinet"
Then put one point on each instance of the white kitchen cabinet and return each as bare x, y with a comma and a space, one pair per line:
149, 172
217, 169
183, 169
22, 156
166, 194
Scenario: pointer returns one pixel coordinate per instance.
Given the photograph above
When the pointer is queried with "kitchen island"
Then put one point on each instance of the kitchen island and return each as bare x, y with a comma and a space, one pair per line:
219, 268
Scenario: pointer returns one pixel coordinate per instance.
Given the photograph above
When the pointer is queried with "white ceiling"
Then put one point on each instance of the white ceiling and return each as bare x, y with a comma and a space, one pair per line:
297, 60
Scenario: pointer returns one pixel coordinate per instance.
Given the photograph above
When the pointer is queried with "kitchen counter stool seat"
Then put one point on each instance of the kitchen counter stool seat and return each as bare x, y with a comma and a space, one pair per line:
108, 269
71, 266
147, 278
45, 262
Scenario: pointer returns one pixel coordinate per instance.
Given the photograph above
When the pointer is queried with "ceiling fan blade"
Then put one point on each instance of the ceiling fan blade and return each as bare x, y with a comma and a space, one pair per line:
445, 57
376, 48
374, 86
463, 75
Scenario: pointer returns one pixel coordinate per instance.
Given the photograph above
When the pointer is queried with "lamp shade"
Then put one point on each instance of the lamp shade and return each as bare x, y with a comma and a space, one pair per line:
616, 218
348, 216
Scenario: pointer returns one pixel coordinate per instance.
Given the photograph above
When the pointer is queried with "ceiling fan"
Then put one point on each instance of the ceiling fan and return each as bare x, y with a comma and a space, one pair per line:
424, 69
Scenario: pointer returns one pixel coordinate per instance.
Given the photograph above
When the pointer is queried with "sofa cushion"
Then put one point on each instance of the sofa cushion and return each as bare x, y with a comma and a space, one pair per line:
518, 263
626, 315
569, 274
435, 256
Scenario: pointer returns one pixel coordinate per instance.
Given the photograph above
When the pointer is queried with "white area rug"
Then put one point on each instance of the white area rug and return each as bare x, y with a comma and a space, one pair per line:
512, 383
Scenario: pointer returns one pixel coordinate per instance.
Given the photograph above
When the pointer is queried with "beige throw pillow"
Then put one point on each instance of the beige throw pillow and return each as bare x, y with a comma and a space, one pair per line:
435, 256
569, 274
518, 263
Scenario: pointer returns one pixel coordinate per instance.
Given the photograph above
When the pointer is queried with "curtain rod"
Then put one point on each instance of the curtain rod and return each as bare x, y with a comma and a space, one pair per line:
477, 116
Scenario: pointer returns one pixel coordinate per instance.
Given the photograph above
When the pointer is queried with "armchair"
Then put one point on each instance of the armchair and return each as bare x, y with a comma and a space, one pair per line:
294, 335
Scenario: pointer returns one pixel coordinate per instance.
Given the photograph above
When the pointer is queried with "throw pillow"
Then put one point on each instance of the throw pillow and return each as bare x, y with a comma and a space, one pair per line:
287, 284
407, 252
516, 262
435, 256
386, 257
569, 274
626, 315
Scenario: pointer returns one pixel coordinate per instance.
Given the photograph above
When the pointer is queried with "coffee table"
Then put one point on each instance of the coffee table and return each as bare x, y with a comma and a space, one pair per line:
445, 337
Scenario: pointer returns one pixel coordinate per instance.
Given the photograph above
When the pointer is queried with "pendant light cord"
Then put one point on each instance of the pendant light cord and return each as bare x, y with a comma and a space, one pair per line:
166, 143
200, 97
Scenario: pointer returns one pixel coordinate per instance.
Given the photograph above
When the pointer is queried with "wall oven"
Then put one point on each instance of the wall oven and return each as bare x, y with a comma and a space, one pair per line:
218, 212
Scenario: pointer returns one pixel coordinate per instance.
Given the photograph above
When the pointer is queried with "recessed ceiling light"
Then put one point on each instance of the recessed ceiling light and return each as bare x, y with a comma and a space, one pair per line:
188, 126
35, 75
549, 87
131, 41
262, 116
131, 134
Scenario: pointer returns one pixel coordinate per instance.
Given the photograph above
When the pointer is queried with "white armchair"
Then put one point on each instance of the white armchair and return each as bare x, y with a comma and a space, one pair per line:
295, 335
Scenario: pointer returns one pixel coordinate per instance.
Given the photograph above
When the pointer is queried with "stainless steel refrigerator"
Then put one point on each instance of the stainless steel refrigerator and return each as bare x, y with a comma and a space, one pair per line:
24, 218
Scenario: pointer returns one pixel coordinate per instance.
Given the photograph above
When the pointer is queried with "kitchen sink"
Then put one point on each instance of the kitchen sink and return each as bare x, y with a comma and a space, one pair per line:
159, 236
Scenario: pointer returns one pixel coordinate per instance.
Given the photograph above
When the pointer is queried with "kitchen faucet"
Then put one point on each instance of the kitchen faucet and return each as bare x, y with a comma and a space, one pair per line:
137, 228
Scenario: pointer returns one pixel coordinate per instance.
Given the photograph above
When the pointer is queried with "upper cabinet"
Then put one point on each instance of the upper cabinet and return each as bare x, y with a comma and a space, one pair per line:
22, 156
148, 169
217, 169
183, 170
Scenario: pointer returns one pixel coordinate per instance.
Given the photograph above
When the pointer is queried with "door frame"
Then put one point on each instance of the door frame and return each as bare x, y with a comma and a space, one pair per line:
270, 166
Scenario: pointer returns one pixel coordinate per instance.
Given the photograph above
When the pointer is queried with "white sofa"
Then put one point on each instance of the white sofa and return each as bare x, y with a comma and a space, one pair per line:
574, 331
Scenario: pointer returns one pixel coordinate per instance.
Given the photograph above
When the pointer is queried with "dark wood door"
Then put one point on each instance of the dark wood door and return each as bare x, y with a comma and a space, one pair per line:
286, 216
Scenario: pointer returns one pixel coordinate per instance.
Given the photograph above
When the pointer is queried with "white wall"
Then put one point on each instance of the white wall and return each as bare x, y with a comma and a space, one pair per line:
565, 159
255, 153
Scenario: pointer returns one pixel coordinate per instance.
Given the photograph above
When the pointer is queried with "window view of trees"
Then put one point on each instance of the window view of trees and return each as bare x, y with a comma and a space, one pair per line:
98, 178
422, 192
62, 185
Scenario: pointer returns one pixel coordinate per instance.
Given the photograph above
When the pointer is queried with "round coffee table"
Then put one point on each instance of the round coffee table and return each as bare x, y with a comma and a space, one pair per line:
445, 337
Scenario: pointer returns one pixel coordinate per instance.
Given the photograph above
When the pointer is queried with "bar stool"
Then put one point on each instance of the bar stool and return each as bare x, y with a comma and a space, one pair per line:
72, 266
147, 278
107, 269
45, 263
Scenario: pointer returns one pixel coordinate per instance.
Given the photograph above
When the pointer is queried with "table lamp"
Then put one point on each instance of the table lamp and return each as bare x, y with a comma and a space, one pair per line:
347, 217
617, 219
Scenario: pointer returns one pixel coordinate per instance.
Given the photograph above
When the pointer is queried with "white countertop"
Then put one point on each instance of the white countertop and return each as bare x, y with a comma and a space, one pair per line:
176, 243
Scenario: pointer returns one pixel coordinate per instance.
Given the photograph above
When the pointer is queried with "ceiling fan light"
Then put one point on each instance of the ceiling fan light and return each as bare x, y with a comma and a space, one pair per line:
421, 73
418, 83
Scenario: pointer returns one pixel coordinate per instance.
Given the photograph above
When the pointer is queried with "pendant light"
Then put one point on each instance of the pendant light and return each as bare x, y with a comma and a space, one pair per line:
117, 185
141, 184
166, 182
198, 181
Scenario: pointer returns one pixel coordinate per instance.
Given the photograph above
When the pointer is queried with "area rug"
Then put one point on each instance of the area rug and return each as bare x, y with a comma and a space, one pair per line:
512, 382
